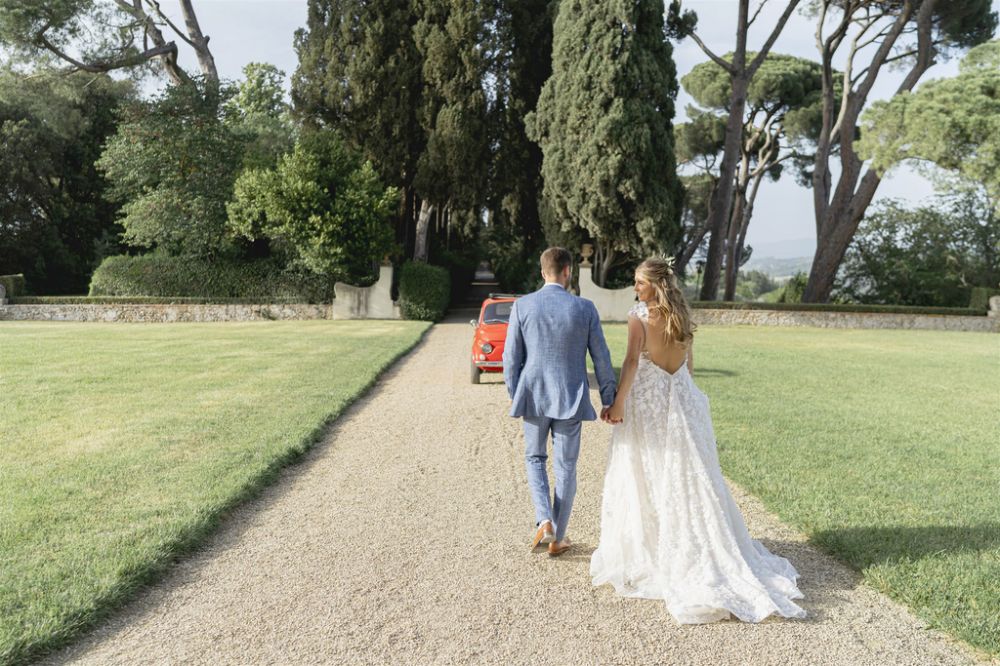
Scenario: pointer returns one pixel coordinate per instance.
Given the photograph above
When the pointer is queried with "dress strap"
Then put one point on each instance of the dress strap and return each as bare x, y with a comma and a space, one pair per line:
640, 312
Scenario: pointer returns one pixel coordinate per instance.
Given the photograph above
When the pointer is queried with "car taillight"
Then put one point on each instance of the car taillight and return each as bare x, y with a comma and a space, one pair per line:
487, 348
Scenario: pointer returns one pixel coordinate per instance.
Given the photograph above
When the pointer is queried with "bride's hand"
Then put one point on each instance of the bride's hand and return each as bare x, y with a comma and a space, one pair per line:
616, 413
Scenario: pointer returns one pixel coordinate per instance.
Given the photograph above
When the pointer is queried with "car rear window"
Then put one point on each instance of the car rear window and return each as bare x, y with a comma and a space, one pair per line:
496, 313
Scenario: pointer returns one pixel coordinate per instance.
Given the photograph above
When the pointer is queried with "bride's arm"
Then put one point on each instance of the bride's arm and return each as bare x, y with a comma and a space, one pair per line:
629, 366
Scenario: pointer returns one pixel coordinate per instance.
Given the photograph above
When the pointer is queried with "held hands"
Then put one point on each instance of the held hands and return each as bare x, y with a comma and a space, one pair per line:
613, 414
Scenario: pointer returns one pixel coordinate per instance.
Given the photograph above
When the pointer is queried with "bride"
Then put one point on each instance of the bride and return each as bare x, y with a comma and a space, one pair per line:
669, 527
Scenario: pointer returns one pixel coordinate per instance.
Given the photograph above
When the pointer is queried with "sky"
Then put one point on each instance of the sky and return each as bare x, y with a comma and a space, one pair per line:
783, 225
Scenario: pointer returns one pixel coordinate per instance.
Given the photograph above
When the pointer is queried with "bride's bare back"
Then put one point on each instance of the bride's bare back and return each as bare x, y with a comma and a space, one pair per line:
667, 354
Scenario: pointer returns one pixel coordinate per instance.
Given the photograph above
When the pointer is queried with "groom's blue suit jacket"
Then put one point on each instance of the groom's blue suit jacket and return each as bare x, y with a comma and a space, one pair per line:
545, 356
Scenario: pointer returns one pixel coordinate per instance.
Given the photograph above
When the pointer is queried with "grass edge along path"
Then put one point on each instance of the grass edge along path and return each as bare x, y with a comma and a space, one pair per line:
191, 536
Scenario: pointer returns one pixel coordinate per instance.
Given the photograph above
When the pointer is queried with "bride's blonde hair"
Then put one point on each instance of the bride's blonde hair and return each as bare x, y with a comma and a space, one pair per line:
670, 302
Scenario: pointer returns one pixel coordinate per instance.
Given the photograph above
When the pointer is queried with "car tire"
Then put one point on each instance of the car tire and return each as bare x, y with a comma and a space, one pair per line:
475, 374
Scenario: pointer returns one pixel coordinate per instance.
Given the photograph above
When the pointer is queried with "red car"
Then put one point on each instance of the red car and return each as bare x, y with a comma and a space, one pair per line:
491, 331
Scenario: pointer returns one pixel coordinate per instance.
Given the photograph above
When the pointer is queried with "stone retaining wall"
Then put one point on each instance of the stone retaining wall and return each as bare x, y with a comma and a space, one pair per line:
846, 320
164, 313
702, 316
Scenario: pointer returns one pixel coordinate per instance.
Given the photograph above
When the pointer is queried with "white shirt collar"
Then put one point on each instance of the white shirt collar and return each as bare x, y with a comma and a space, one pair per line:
553, 284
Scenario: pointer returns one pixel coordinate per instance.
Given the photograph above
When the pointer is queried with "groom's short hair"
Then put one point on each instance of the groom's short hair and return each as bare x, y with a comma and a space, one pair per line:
554, 260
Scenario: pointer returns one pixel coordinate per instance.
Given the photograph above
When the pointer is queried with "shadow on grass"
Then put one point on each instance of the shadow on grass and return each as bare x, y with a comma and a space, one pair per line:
863, 547
714, 372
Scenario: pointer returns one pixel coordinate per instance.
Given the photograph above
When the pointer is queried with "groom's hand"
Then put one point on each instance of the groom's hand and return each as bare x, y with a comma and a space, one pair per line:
604, 414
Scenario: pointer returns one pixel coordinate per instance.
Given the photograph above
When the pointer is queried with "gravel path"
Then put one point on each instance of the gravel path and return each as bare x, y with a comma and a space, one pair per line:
403, 538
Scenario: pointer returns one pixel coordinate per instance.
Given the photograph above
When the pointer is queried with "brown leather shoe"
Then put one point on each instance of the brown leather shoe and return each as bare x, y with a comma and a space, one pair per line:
557, 548
544, 535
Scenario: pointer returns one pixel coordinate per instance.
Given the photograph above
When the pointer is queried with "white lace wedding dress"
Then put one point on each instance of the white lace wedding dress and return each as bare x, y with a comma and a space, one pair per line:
669, 526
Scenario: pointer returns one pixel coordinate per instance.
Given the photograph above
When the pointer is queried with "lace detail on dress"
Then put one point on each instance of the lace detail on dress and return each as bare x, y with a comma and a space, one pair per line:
639, 310
670, 528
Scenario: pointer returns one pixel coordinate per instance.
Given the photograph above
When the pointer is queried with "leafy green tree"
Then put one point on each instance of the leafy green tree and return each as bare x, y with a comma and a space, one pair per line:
796, 285
864, 37
258, 111
953, 124
99, 37
172, 164
55, 222
323, 206
752, 284
783, 87
604, 125
931, 255
360, 72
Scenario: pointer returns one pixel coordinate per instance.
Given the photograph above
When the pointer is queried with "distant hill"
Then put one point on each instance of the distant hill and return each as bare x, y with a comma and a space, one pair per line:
778, 267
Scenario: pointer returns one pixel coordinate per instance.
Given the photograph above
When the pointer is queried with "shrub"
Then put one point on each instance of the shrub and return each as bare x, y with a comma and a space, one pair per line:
163, 276
424, 291
979, 299
14, 285
922, 256
794, 288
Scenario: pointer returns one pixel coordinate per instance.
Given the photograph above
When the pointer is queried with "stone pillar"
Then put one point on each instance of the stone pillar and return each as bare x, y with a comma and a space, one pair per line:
612, 304
374, 302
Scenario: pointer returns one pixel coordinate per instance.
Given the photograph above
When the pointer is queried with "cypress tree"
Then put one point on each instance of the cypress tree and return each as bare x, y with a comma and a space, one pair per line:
451, 174
604, 123
522, 64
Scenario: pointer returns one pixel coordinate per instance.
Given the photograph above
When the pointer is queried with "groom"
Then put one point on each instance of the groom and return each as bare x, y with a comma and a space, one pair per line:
545, 369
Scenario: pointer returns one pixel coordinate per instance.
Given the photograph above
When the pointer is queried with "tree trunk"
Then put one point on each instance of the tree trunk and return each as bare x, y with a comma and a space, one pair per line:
735, 222
843, 217
682, 261
722, 196
604, 259
747, 214
839, 214
732, 259
423, 225
199, 42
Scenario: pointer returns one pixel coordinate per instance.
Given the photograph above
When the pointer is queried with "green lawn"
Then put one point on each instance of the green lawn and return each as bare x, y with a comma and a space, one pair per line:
882, 446
122, 445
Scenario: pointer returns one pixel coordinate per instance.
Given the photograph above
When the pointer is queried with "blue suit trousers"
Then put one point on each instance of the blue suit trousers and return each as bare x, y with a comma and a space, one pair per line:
566, 451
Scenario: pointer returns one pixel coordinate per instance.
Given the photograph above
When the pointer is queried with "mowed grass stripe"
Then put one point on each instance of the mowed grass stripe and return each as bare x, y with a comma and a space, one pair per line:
122, 445
881, 446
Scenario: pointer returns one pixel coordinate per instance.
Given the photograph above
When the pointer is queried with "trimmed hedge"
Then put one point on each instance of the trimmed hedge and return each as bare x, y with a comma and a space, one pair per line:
979, 299
835, 307
424, 291
14, 285
260, 281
